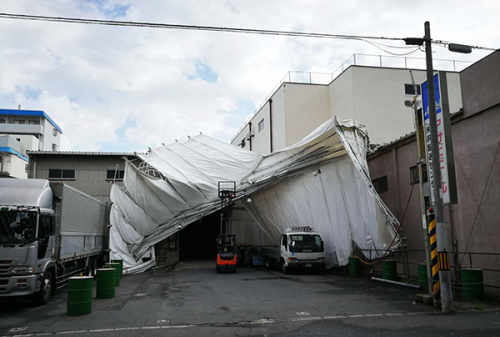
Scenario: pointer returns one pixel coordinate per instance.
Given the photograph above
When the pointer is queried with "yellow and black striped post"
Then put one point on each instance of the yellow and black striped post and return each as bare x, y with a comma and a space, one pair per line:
434, 253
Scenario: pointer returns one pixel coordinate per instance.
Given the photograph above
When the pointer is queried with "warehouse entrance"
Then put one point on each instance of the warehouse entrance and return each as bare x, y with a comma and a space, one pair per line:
198, 240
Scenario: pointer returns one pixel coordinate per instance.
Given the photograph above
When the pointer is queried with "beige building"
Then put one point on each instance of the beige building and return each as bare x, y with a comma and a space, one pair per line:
90, 172
373, 96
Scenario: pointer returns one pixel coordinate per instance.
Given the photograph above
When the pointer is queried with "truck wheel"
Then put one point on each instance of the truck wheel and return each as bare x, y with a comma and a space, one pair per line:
284, 268
42, 296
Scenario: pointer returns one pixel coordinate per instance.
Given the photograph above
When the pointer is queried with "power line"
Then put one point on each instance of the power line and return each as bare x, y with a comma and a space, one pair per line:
363, 38
192, 27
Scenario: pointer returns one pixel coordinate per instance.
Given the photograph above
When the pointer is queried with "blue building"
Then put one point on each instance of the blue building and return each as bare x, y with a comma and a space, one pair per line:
21, 131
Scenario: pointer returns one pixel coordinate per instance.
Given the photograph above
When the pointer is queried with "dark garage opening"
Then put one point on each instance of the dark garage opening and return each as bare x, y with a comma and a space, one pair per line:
198, 240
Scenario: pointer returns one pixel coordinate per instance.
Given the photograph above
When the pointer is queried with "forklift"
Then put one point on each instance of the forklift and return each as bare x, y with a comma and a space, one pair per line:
226, 242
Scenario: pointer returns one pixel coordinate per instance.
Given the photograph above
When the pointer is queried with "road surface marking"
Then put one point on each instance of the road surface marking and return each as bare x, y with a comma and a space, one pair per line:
18, 329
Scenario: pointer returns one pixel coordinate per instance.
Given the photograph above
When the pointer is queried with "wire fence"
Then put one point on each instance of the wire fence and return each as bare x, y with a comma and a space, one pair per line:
407, 261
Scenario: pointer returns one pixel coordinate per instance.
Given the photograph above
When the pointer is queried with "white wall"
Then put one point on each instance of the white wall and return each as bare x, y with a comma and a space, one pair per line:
48, 136
28, 142
13, 166
375, 98
307, 107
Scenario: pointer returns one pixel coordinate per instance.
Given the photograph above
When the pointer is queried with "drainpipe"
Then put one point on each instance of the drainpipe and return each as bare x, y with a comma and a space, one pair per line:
271, 125
395, 164
250, 133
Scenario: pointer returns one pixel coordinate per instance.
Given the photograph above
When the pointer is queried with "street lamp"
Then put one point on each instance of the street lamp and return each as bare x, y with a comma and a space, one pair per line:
444, 275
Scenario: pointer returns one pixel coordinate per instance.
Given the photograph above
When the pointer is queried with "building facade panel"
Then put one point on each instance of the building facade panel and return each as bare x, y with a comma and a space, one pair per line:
306, 108
480, 84
90, 170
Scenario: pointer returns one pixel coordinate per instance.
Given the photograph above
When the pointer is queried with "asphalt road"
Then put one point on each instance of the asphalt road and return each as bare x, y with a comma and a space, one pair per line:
192, 300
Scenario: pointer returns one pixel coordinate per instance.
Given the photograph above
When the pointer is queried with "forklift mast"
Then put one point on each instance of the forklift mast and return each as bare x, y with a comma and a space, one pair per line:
226, 242
227, 190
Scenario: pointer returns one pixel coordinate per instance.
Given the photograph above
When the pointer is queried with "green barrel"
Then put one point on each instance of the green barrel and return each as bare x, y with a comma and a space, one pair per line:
121, 266
472, 284
354, 266
422, 276
106, 283
389, 270
116, 267
80, 290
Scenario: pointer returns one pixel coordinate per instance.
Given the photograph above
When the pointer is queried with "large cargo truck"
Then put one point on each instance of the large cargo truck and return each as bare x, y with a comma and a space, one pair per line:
49, 232
298, 248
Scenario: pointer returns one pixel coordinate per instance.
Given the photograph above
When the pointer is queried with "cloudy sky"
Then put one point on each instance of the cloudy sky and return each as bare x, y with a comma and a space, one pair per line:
126, 89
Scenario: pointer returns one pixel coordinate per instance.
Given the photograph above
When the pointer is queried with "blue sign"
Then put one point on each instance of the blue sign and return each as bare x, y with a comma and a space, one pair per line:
425, 97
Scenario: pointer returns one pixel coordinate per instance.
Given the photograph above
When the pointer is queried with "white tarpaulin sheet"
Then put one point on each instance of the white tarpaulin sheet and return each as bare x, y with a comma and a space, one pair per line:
322, 181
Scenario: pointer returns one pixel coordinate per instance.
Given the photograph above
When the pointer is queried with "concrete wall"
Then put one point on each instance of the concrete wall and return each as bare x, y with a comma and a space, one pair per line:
12, 166
480, 84
48, 136
379, 96
261, 141
167, 252
306, 108
472, 223
90, 171
373, 96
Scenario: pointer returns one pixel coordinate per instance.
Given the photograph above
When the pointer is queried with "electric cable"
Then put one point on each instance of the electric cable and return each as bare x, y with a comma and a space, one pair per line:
192, 27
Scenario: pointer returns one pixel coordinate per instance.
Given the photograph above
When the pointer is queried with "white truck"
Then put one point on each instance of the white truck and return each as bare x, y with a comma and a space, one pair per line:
49, 232
298, 248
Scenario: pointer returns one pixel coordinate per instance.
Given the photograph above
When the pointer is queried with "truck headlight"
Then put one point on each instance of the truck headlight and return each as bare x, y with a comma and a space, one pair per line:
22, 270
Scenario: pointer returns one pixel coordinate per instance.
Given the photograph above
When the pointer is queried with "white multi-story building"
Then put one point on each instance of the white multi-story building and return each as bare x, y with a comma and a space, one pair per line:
373, 96
21, 131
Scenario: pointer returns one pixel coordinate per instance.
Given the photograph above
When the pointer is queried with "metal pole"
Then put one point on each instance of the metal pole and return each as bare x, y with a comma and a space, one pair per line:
423, 208
444, 275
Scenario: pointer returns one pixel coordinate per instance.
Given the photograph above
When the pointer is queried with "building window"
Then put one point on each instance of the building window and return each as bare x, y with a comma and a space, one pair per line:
414, 174
19, 121
410, 89
54, 147
261, 125
33, 122
2, 121
59, 174
380, 184
116, 175
54, 132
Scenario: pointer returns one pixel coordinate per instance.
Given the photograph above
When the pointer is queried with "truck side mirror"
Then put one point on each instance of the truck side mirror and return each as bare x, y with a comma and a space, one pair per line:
322, 245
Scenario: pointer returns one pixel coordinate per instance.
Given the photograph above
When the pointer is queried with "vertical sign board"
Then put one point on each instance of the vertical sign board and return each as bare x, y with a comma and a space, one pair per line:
445, 156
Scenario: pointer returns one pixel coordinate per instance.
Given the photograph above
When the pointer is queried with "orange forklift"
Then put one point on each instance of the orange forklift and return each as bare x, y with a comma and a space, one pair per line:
226, 242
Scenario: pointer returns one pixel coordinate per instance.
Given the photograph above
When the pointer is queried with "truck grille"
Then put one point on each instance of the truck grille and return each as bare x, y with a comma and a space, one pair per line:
4, 270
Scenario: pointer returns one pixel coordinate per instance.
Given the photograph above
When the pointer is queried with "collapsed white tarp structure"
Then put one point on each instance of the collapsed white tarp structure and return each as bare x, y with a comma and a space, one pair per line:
322, 181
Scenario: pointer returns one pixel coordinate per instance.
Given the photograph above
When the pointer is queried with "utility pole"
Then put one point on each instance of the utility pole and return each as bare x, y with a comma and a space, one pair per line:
421, 154
442, 242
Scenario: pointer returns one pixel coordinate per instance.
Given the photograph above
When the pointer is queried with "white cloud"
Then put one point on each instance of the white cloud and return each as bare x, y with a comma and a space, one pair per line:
122, 88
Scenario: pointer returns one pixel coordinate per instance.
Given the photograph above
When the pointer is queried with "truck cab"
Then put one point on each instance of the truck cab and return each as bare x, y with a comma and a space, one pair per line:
302, 248
27, 249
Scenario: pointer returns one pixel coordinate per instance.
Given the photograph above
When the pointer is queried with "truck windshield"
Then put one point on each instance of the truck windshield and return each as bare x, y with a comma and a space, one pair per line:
17, 227
305, 243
